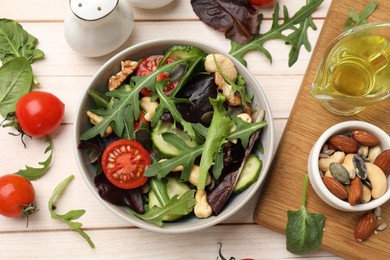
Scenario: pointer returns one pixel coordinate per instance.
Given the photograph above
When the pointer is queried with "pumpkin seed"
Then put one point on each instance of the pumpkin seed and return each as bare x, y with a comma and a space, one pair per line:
360, 166
339, 172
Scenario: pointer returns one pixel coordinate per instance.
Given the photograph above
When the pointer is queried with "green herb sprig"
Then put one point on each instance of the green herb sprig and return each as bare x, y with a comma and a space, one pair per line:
355, 19
299, 24
304, 230
70, 215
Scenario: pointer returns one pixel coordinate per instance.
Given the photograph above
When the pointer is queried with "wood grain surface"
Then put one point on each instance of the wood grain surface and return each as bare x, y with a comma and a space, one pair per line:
308, 119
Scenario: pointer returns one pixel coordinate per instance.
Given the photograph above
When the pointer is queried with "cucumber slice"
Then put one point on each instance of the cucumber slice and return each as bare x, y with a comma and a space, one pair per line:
164, 147
249, 174
182, 52
174, 187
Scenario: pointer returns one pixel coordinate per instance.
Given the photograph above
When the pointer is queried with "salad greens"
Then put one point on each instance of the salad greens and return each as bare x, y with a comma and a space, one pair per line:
70, 215
356, 19
304, 229
32, 173
195, 142
296, 26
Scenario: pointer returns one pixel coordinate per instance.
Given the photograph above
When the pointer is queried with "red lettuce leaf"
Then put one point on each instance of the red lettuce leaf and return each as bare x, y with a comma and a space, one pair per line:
238, 19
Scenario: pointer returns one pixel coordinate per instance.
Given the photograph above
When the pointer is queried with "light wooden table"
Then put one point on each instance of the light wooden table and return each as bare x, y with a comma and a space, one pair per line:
66, 74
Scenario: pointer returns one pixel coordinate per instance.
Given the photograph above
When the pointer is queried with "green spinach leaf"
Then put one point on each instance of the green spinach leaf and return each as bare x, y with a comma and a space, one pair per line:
32, 173
70, 215
15, 81
304, 230
355, 19
299, 23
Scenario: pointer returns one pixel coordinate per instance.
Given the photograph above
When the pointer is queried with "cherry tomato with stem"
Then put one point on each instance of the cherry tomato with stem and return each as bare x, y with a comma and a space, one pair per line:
39, 113
148, 65
124, 163
17, 196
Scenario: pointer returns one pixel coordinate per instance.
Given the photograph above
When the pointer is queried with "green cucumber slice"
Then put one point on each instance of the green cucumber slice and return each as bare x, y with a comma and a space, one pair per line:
164, 147
182, 52
249, 174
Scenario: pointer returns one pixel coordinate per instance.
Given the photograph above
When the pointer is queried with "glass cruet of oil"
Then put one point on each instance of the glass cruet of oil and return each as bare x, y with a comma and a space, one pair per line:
355, 70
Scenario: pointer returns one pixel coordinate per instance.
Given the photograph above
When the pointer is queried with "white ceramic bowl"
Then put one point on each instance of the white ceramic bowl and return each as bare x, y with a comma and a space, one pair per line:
149, 4
314, 172
190, 224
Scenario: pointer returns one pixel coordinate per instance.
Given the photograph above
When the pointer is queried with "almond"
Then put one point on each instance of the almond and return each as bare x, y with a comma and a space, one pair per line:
344, 143
365, 138
365, 226
383, 161
355, 191
335, 187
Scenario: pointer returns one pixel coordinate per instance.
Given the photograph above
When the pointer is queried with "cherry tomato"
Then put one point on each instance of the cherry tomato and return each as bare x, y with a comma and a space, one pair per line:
17, 196
124, 162
148, 65
261, 2
39, 113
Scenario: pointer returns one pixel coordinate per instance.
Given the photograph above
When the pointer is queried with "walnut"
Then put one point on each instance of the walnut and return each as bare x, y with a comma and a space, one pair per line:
116, 81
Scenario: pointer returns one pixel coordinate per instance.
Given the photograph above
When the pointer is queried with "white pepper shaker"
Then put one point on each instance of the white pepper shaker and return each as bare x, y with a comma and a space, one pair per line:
97, 27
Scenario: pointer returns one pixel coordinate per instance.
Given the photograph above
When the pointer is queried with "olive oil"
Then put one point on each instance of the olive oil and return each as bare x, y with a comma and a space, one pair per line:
357, 66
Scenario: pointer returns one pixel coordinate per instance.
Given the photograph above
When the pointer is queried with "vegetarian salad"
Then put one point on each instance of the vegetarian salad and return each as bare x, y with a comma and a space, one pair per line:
175, 135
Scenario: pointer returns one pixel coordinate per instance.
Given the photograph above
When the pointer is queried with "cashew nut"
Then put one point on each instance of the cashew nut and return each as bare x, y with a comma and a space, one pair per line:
149, 107
363, 151
233, 99
348, 164
373, 153
225, 66
202, 208
194, 176
95, 119
324, 163
366, 197
377, 179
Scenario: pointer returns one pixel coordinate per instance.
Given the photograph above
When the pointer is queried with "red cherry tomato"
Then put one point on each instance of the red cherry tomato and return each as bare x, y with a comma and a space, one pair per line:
148, 65
261, 2
17, 196
39, 113
124, 162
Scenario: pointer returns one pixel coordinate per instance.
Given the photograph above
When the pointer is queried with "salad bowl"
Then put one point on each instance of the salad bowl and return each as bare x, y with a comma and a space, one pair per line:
188, 223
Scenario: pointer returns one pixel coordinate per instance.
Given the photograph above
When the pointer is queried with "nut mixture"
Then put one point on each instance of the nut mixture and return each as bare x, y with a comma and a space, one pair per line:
354, 167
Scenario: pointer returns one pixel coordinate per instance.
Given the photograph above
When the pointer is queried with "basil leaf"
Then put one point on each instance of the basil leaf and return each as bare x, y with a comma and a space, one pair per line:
304, 230
70, 215
16, 42
32, 173
15, 81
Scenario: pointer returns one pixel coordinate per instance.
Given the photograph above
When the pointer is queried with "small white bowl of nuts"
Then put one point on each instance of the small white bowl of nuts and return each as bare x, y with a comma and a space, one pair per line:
349, 166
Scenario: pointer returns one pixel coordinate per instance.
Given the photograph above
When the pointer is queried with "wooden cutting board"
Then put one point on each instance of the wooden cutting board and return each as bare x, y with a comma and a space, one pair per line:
308, 119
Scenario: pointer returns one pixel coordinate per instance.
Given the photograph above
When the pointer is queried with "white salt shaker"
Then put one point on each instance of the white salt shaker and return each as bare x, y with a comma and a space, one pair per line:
97, 27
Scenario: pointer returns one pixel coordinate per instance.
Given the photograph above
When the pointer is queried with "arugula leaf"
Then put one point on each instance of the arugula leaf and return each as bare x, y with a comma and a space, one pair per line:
244, 130
70, 215
32, 173
355, 19
16, 42
296, 39
15, 81
176, 206
304, 230
216, 137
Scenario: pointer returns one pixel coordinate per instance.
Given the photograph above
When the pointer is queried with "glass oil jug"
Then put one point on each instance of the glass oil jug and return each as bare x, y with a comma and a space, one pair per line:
355, 70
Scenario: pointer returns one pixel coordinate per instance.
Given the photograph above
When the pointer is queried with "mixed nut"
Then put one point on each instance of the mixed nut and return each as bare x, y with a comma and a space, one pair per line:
354, 167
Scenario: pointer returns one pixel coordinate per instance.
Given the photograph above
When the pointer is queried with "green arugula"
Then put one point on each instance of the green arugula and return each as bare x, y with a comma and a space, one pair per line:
304, 230
16, 42
216, 137
356, 19
70, 215
244, 130
299, 23
15, 81
32, 173
126, 102
176, 206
